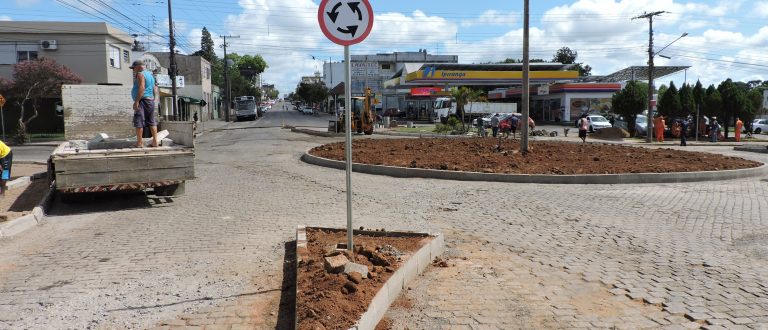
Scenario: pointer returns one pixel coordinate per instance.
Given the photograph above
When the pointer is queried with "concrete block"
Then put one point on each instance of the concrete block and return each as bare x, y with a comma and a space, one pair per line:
411, 269
335, 264
98, 138
350, 267
18, 225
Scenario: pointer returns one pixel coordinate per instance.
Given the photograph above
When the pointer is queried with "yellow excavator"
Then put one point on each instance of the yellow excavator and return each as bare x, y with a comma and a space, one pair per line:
362, 115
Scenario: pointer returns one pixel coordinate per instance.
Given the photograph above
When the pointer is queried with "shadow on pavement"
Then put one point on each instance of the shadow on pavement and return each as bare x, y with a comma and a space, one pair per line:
286, 316
84, 203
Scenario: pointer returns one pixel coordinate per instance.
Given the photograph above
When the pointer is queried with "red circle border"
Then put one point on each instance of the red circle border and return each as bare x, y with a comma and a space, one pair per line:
330, 36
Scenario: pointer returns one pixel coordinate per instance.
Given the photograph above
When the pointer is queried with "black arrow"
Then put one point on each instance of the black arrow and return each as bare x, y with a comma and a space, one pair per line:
355, 6
333, 14
351, 29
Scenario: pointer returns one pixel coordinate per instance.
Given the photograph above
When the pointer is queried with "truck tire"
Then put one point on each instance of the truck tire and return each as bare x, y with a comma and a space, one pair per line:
369, 131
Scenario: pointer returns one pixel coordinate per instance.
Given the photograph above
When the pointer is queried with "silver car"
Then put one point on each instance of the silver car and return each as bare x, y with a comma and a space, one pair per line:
760, 126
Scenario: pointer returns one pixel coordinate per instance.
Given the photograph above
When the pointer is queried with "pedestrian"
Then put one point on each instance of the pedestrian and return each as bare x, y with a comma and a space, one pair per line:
684, 131
143, 93
514, 123
713, 129
505, 128
659, 127
583, 125
194, 117
495, 124
6, 162
480, 127
739, 127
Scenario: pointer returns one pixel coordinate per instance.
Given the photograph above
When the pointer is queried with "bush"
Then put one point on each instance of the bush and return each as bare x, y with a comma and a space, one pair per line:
454, 122
440, 128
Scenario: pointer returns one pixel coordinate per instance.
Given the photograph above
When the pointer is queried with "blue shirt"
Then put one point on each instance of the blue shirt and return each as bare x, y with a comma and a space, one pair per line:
149, 86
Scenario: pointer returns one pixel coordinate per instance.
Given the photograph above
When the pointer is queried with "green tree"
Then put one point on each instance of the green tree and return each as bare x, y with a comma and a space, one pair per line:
567, 56
734, 102
251, 66
311, 93
753, 107
712, 102
206, 47
687, 100
631, 101
669, 103
698, 95
463, 95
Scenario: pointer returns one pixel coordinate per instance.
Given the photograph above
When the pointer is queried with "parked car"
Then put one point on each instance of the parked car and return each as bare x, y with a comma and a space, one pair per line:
307, 111
597, 122
760, 126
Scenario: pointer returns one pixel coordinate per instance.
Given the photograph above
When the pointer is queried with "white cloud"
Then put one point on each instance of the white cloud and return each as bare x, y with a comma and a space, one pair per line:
761, 9
5, 18
493, 17
602, 31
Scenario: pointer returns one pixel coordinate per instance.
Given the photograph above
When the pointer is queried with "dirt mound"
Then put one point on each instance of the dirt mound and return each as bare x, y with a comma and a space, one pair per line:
613, 133
558, 158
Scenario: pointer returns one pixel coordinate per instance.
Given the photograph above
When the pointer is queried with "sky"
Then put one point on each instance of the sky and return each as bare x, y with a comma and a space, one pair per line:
726, 39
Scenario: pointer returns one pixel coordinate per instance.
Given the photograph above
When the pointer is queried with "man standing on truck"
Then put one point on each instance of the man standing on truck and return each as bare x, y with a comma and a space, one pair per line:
143, 93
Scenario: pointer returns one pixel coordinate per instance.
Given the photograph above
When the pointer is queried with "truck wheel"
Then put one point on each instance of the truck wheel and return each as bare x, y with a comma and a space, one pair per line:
369, 131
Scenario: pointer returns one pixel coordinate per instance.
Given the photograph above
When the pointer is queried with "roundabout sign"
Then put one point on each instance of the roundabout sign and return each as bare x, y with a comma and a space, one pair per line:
345, 22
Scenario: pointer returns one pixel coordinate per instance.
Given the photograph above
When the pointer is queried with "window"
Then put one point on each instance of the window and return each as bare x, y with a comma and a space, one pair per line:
114, 57
386, 67
126, 56
25, 56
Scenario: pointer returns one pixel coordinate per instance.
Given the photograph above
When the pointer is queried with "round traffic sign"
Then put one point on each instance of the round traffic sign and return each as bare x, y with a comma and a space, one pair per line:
345, 22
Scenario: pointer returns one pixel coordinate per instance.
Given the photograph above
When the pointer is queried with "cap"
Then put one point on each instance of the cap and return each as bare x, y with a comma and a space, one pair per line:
136, 63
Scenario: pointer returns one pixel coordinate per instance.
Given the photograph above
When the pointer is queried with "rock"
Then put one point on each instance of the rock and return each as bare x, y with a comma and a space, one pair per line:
355, 277
368, 251
344, 290
350, 286
378, 269
389, 269
352, 267
372, 275
335, 264
378, 260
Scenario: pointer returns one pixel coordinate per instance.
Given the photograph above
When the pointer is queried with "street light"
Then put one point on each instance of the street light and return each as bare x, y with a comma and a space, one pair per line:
651, 54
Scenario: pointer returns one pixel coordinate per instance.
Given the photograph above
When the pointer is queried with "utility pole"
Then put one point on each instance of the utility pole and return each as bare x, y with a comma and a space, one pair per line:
526, 84
649, 16
173, 67
227, 88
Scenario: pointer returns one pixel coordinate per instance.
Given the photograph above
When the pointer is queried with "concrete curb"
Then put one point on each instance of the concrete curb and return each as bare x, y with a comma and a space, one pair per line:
752, 149
18, 225
389, 292
315, 132
403, 172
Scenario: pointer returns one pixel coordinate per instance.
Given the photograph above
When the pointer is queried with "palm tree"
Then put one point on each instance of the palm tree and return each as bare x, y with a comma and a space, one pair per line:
464, 95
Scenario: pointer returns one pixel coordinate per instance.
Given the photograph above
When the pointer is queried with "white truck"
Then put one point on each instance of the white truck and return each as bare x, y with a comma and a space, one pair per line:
445, 107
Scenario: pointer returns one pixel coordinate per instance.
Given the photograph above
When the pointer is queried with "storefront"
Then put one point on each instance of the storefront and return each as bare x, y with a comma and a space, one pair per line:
566, 102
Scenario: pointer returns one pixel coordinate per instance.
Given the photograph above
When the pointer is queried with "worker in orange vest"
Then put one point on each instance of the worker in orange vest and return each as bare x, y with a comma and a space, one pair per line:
739, 127
659, 127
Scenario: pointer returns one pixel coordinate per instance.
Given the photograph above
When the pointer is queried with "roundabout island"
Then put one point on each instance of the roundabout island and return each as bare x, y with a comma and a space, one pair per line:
554, 162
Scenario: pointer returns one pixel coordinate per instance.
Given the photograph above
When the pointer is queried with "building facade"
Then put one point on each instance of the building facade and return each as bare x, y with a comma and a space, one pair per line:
373, 70
97, 52
197, 86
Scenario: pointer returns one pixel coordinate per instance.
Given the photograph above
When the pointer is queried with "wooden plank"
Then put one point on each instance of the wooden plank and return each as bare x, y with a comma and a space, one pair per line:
66, 180
117, 164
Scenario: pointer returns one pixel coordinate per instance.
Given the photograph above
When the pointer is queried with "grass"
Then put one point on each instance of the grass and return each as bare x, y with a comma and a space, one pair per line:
418, 129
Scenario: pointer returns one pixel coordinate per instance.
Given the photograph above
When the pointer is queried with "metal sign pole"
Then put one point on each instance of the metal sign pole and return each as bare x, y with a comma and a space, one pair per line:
348, 148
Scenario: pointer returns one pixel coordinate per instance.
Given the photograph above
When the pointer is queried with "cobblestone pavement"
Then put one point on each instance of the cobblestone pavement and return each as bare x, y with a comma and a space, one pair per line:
525, 256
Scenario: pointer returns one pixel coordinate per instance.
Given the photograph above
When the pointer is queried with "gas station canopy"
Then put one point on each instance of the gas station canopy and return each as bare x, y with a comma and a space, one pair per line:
481, 74
637, 73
